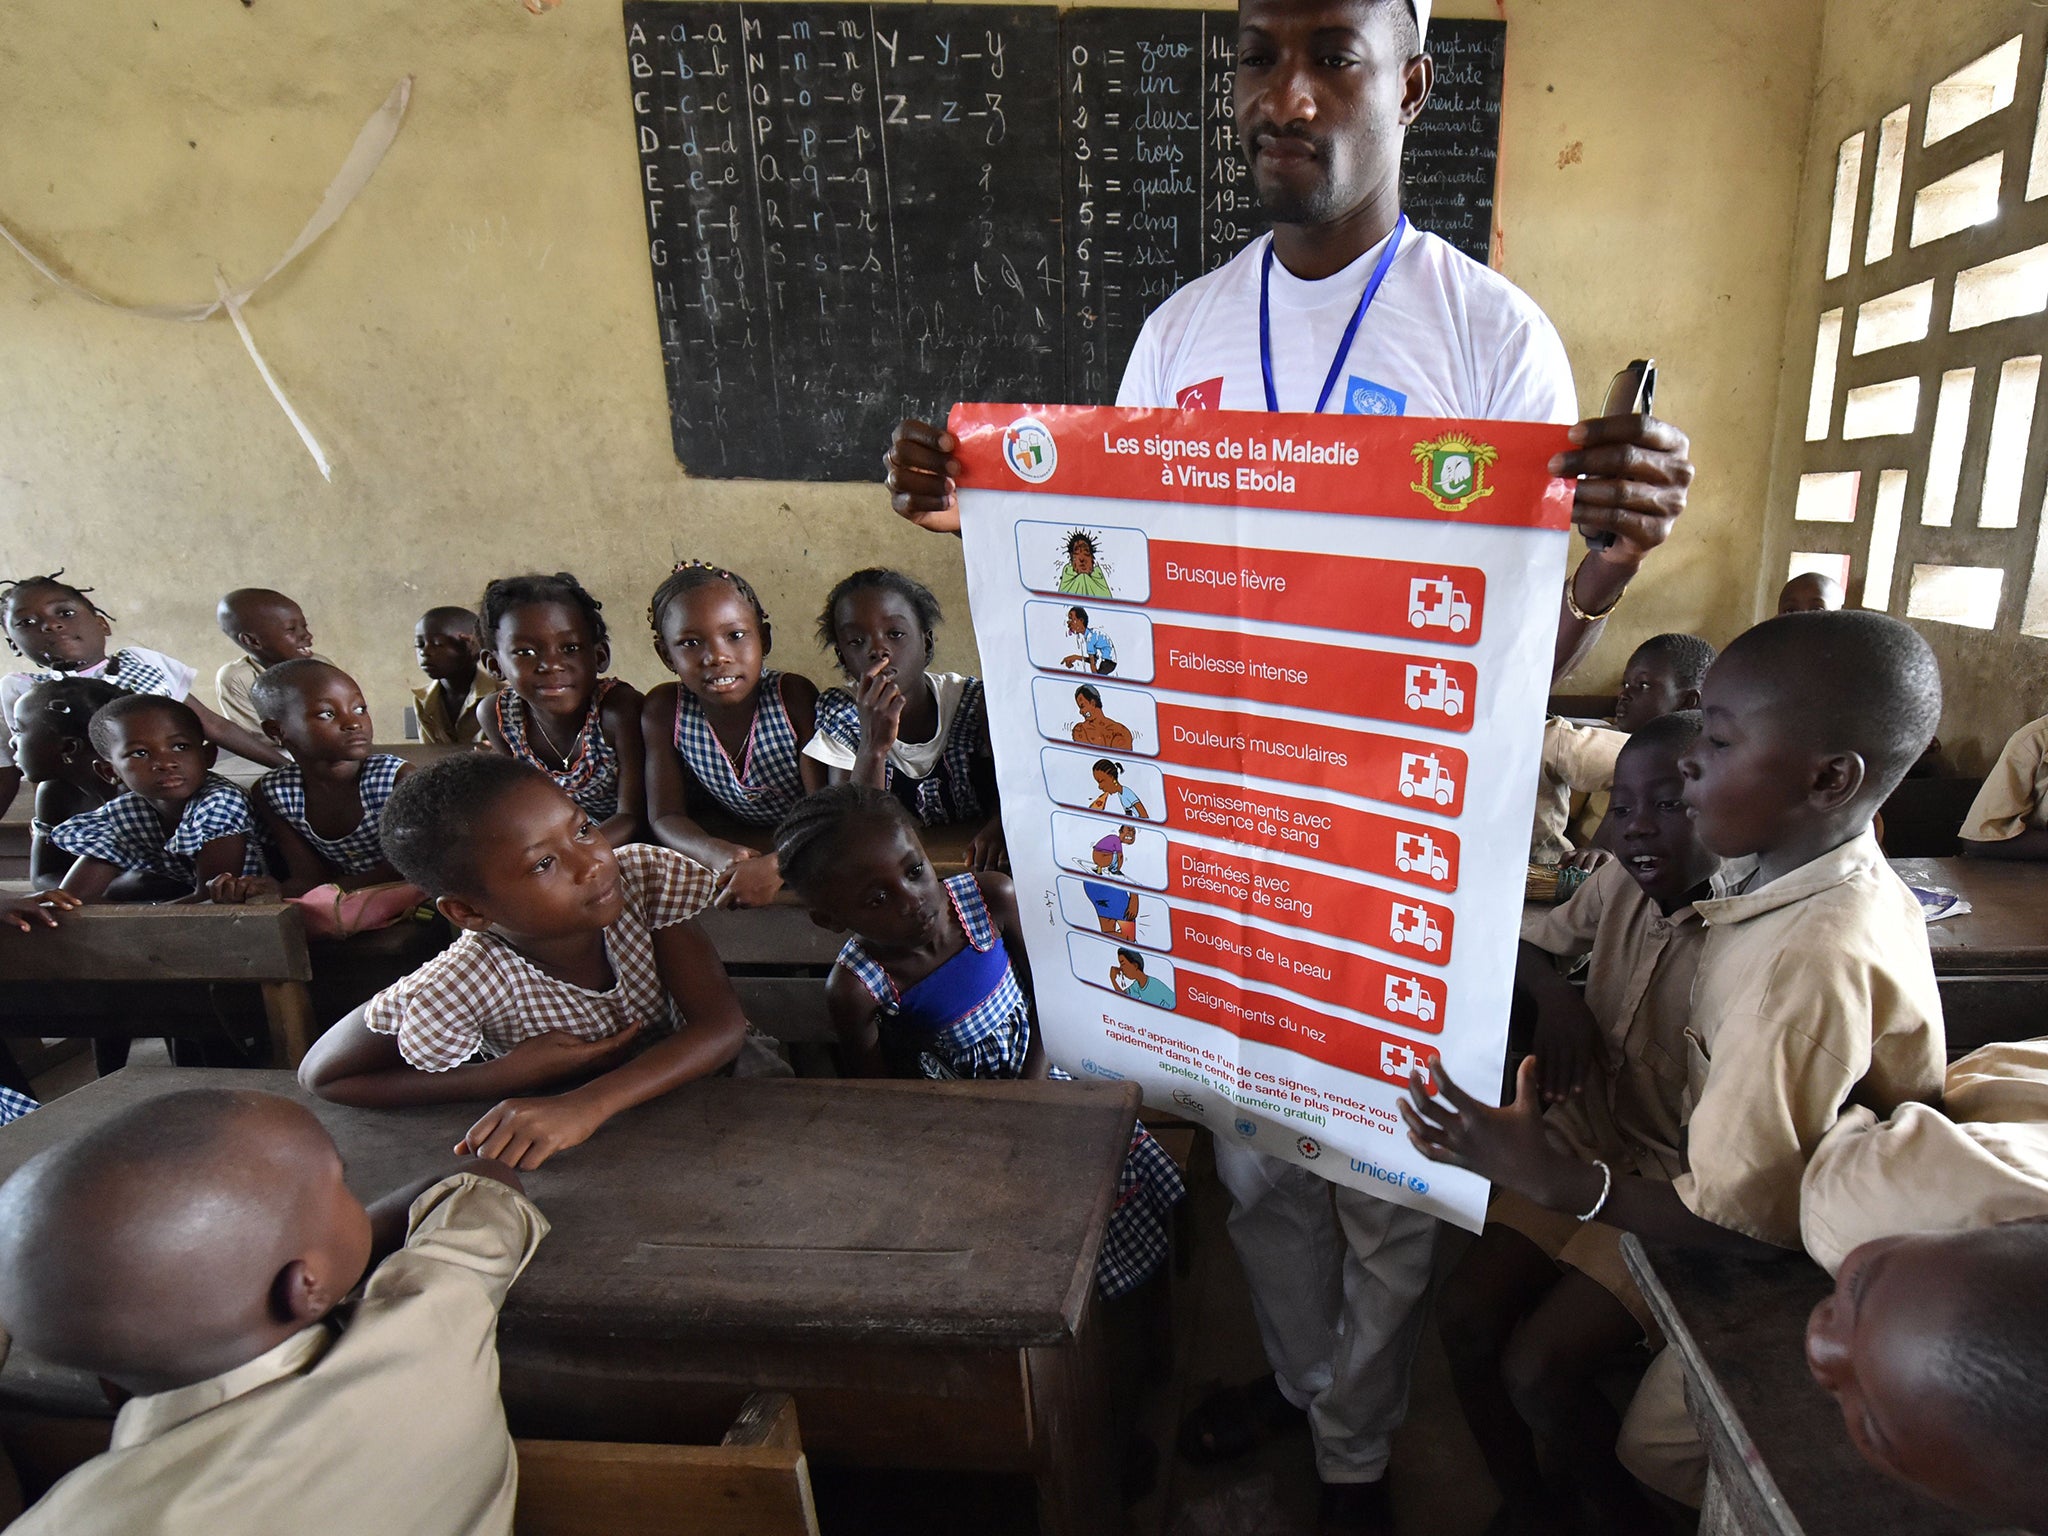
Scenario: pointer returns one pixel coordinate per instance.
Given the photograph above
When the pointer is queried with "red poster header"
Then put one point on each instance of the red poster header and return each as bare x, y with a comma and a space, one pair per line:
1492, 472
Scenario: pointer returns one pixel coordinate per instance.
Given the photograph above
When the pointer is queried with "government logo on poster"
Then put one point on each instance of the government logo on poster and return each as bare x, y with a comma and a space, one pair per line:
1454, 471
1029, 450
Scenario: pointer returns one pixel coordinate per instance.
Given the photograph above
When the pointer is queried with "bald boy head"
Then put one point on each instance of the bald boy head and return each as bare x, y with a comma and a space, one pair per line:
1810, 592
267, 625
179, 1239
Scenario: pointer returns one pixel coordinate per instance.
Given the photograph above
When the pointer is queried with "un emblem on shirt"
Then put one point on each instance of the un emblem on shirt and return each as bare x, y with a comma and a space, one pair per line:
1362, 397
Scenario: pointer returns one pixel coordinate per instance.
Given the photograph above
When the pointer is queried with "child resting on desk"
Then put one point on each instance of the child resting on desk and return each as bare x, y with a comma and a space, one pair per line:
179, 831
569, 950
61, 632
1814, 982
728, 728
195, 1251
1935, 1345
934, 982
1542, 1304
545, 638
53, 746
918, 734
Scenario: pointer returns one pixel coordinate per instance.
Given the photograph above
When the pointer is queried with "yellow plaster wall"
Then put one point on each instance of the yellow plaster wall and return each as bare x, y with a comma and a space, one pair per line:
1874, 55
475, 343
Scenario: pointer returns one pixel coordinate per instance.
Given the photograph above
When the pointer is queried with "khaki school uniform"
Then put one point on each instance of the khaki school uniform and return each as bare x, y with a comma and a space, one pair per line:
387, 1420
1639, 981
1578, 760
1815, 993
437, 726
2015, 794
231, 688
1979, 1160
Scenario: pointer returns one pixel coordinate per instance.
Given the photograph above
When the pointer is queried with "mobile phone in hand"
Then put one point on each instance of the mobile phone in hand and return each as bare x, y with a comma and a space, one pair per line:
1633, 393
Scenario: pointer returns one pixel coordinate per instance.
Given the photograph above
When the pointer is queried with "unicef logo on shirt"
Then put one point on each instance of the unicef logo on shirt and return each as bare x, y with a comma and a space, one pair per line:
1029, 450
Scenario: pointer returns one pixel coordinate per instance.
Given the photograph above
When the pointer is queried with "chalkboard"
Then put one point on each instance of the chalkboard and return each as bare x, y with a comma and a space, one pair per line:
858, 213
853, 216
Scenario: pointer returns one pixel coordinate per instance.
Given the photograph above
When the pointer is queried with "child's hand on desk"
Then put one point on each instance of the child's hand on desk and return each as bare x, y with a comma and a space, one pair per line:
38, 909
1506, 1145
880, 703
750, 880
237, 890
1568, 1047
524, 1133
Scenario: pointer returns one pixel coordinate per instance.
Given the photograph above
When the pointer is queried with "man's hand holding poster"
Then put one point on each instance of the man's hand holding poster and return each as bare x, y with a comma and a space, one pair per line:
1272, 691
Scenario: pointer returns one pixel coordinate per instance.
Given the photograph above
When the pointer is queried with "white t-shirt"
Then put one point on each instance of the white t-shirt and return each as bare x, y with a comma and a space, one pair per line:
1445, 336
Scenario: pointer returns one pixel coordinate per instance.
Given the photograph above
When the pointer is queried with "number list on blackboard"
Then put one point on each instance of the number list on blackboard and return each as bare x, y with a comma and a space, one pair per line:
858, 213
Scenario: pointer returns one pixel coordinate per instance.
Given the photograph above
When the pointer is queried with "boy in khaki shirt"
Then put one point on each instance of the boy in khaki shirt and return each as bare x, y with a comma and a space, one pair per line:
1979, 1160
1541, 1304
2009, 817
195, 1250
1815, 988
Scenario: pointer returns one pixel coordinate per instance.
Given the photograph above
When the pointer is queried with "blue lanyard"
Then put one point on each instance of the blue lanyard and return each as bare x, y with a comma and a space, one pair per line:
1372, 288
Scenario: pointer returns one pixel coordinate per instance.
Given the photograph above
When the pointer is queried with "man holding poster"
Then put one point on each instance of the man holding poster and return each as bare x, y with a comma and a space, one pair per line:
1348, 309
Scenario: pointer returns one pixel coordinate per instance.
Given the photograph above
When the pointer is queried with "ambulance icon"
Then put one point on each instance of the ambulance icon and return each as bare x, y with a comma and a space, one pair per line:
1398, 1060
1431, 686
1417, 853
1433, 603
1423, 776
1407, 995
1414, 925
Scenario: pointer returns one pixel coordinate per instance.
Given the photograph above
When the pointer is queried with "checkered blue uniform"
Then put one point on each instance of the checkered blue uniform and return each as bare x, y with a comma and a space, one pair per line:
766, 784
124, 669
358, 850
14, 1105
590, 777
127, 831
946, 796
956, 1023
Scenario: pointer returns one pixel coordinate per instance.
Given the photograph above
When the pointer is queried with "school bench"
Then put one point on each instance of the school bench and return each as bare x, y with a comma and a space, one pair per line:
107, 971
1780, 1462
754, 1482
913, 1262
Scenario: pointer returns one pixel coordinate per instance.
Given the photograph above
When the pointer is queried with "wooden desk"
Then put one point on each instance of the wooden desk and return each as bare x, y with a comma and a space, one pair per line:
137, 946
914, 1262
2006, 931
1780, 1462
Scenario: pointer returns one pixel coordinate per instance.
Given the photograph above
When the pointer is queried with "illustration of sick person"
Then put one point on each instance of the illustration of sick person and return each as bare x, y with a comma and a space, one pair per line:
1109, 851
1097, 653
1116, 910
1081, 574
1096, 729
1128, 977
1109, 779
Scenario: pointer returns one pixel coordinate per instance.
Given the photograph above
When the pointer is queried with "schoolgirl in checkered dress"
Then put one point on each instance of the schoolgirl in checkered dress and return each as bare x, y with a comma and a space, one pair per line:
959, 784
589, 774
127, 832
762, 786
283, 792
969, 1019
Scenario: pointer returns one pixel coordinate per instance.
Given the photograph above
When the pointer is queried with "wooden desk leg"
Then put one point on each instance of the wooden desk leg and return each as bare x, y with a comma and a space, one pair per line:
1071, 1431
288, 1009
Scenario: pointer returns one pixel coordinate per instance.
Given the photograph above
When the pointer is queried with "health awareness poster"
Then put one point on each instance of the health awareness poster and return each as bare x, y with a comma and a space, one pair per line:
1267, 697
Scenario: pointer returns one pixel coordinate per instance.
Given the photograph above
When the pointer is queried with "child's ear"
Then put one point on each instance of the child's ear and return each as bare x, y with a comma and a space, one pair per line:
604, 654
272, 734
301, 1295
105, 770
489, 662
246, 640
662, 655
1838, 779
463, 913
209, 754
825, 921
1689, 698
767, 637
